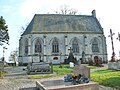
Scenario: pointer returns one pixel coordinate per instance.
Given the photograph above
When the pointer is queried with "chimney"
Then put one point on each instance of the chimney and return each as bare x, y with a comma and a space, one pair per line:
94, 13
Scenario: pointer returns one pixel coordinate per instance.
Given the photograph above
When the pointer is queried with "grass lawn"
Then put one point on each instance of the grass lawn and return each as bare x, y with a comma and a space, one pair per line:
92, 67
62, 71
107, 78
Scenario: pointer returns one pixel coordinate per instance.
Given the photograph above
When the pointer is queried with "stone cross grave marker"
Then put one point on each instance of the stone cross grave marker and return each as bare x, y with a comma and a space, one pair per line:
83, 70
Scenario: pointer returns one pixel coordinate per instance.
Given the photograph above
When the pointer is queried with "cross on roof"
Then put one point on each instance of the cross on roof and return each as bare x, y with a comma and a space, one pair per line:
70, 49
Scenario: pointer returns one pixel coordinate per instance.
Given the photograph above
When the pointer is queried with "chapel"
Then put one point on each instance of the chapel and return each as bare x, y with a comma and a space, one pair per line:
51, 37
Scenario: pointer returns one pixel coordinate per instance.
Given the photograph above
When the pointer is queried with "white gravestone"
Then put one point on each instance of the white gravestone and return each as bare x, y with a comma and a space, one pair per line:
71, 64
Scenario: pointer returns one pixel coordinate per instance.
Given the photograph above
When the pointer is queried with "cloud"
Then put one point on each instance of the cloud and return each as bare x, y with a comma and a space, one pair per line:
29, 7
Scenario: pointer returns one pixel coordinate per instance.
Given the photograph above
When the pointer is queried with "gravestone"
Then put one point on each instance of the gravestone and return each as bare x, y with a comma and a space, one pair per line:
79, 62
40, 67
71, 58
118, 62
114, 65
71, 64
83, 70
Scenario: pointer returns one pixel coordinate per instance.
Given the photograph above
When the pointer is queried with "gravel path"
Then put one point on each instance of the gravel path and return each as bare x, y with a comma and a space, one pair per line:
17, 84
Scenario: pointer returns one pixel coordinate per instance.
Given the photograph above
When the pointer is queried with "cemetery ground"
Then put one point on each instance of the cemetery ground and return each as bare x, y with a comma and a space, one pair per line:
16, 78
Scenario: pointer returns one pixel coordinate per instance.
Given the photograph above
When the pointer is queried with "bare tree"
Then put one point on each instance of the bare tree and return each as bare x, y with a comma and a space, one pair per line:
14, 56
22, 29
66, 10
73, 11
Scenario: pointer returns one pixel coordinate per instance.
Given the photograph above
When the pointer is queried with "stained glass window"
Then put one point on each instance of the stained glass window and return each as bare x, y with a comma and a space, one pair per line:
55, 46
75, 46
95, 46
26, 47
38, 47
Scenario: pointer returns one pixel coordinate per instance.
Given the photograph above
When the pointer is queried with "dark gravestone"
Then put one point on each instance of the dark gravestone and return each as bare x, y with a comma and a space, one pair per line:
66, 61
71, 58
39, 68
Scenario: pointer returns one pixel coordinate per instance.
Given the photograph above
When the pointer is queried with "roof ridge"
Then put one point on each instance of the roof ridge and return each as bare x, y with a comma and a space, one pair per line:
61, 15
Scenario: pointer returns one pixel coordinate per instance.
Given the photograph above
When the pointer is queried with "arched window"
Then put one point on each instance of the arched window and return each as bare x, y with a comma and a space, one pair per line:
55, 46
26, 47
95, 46
75, 46
38, 46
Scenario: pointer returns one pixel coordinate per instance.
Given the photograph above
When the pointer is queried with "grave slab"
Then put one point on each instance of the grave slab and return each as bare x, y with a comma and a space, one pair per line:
61, 85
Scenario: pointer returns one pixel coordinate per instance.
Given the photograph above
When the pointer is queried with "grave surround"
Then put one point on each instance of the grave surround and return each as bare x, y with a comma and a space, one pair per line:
61, 85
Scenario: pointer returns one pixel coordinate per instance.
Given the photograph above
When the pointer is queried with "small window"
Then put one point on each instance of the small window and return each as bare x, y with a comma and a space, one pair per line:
55, 58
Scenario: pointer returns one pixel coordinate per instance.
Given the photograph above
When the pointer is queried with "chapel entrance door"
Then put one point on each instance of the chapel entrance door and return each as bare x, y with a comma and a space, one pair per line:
96, 60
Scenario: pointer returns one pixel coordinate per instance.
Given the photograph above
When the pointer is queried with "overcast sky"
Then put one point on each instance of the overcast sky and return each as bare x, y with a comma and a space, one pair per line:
18, 13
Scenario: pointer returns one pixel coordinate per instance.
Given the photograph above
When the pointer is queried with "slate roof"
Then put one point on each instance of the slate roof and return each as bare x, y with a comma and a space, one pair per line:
58, 23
